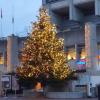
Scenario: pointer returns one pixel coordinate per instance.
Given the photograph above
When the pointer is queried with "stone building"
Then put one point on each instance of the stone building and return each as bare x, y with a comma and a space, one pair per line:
10, 49
78, 22
10, 56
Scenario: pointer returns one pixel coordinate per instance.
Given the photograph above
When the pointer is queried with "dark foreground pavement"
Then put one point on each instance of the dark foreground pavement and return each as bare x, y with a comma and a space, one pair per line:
37, 96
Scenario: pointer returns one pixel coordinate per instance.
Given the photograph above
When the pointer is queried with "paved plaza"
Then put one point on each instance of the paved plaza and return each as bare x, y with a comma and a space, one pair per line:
37, 96
40, 98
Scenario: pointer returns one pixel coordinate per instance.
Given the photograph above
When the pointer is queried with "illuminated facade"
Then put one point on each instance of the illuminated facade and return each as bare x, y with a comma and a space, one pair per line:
78, 22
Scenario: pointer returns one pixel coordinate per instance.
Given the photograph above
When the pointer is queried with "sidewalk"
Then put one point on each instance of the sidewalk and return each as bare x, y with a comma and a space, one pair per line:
37, 96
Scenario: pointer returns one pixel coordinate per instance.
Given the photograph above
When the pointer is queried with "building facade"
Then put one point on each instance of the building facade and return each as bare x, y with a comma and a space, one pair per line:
78, 22
10, 49
10, 56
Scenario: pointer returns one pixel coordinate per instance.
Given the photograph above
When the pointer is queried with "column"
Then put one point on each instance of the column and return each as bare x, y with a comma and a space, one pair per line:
89, 94
12, 53
91, 47
44, 2
1, 84
97, 7
4, 67
74, 13
54, 17
77, 52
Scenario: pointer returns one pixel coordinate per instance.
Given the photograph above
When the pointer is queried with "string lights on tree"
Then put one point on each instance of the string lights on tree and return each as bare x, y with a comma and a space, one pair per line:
43, 53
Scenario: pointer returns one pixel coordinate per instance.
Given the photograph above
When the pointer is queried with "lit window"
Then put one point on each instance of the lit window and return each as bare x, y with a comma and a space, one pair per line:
1, 58
83, 54
71, 54
98, 56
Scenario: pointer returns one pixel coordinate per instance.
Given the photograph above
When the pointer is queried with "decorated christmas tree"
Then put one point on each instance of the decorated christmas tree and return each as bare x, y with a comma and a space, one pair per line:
43, 55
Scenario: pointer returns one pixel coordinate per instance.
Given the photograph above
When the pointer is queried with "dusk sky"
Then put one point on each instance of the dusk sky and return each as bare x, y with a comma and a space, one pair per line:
24, 12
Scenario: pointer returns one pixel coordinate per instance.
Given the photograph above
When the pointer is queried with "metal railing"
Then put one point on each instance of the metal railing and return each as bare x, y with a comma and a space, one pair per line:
75, 1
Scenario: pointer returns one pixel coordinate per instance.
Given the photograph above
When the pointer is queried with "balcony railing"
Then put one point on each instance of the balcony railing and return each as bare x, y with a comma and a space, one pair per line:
75, 1
51, 1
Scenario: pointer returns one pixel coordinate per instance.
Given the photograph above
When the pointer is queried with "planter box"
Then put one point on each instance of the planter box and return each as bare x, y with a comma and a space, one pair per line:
62, 90
58, 87
64, 95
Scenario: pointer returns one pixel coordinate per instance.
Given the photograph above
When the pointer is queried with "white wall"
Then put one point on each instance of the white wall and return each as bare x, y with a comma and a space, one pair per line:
95, 80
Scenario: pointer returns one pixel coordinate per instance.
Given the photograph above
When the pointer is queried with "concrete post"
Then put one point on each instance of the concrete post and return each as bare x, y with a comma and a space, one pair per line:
91, 47
77, 52
97, 7
74, 13
43, 2
4, 67
0, 84
55, 18
12, 53
89, 94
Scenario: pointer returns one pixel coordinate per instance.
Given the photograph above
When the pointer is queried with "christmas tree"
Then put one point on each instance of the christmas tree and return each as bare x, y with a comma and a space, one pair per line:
43, 54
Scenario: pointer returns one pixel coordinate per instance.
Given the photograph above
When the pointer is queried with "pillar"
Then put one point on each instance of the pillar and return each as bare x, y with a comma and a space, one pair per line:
97, 7
89, 94
4, 66
12, 53
44, 2
91, 47
74, 13
1, 83
77, 52
56, 19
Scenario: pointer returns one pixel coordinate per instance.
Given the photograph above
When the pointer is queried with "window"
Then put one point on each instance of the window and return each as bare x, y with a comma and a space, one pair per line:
98, 56
83, 54
1, 58
71, 54
81, 63
5, 58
